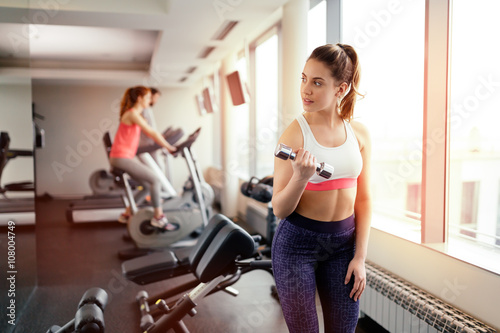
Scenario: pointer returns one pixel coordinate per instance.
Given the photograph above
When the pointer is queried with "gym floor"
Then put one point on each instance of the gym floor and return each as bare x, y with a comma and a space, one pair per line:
72, 258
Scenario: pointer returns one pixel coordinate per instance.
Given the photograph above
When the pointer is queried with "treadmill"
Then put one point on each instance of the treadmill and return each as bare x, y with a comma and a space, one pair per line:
18, 209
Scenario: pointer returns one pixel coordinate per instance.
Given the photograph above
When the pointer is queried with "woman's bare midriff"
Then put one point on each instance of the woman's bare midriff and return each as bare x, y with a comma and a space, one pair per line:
334, 205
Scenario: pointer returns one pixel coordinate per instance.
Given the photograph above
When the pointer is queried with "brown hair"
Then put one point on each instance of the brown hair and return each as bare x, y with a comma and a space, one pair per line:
342, 60
130, 98
154, 91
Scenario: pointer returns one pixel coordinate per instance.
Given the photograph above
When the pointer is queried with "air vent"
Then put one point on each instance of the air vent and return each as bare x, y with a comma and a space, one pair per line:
206, 51
224, 30
182, 79
191, 69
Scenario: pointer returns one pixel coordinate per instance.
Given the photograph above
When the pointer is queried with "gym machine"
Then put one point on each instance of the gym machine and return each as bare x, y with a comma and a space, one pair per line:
102, 182
261, 190
223, 253
107, 201
20, 209
191, 210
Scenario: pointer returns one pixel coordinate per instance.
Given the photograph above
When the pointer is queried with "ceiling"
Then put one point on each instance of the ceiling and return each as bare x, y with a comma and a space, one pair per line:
151, 42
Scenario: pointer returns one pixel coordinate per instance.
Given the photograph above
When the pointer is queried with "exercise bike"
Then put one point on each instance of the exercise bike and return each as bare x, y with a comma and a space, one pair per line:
108, 197
191, 210
102, 182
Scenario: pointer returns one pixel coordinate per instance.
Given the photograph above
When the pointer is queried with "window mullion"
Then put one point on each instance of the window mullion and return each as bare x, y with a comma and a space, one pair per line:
334, 21
252, 140
435, 134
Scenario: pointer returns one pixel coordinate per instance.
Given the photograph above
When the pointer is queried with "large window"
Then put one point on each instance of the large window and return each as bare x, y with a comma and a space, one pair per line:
474, 119
389, 39
266, 104
316, 25
462, 97
257, 120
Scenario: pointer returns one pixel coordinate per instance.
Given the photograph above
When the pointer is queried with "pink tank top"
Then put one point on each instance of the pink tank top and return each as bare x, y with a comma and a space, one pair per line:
126, 141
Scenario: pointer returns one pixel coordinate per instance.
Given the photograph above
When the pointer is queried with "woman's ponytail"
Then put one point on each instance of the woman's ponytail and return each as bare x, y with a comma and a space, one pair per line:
349, 100
130, 97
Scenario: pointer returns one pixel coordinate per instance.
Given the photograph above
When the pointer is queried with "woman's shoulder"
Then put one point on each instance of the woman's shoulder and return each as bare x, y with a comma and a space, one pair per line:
292, 136
130, 117
358, 126
361, 132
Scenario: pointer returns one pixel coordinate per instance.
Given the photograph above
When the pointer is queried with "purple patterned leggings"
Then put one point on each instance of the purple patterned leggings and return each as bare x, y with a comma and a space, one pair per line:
309, 255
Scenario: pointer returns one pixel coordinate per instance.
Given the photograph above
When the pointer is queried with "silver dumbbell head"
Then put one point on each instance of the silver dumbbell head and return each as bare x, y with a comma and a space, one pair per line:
325, 170
283, 152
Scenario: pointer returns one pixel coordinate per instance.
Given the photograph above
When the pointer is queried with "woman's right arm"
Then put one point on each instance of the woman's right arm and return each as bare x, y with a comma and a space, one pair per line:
149, 131
291, 177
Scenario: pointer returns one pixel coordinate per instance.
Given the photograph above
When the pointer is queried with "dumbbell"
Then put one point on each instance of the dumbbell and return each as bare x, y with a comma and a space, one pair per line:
284, 152
259, 190
89, 317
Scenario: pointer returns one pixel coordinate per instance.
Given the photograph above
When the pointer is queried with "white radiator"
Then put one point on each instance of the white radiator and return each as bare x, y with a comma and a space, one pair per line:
401, 307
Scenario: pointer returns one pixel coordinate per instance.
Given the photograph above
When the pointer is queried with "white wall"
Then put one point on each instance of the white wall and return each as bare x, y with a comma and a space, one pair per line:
76, 118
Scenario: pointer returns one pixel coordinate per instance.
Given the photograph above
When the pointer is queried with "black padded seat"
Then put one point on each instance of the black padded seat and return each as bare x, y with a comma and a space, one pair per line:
231, 243
158, 266
154, 267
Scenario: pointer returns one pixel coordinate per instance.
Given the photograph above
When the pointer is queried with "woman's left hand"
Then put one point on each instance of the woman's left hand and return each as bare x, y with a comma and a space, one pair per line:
356, 267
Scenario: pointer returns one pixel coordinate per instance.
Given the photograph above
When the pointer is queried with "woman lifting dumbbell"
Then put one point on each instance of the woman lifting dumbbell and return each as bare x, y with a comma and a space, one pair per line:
125, 146
322, 239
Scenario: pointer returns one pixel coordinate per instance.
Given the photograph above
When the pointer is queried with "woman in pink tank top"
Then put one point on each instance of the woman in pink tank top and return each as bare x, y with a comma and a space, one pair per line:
124, 149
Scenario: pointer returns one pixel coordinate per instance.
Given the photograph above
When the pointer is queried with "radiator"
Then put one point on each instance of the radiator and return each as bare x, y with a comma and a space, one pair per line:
401, 307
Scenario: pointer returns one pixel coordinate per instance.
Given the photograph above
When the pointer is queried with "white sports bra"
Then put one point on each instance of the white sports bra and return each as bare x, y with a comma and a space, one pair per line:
346, 159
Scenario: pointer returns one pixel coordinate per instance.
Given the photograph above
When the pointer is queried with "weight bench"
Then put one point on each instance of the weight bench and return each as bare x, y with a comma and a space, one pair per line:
216, 262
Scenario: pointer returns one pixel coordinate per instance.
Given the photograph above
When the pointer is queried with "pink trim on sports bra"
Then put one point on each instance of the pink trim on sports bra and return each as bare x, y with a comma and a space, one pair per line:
334, 184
